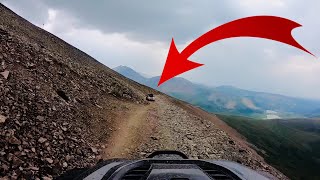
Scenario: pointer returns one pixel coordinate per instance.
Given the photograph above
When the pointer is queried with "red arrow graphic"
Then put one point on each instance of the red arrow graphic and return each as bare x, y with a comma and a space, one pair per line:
268, 27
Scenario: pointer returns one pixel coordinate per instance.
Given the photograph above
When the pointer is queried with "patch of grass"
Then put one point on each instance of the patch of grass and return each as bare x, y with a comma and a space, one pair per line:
291, 146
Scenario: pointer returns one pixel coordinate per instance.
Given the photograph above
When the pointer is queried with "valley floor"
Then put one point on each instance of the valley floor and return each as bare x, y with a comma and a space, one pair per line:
169, 125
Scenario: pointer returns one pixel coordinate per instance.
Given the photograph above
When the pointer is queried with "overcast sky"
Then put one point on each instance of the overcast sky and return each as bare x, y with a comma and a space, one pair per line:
138, 34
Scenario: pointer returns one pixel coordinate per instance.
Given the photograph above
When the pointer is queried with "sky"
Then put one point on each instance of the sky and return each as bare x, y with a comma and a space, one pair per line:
138, 34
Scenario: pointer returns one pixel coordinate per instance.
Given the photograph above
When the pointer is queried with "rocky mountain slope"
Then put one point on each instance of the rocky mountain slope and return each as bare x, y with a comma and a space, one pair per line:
61, 109
56, 102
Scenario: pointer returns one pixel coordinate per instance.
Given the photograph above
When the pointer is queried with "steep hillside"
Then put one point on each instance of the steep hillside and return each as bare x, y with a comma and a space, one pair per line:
231, 100
57, 104
293, 145
60, 109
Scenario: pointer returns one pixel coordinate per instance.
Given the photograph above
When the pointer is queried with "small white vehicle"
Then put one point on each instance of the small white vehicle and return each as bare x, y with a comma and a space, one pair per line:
150, 97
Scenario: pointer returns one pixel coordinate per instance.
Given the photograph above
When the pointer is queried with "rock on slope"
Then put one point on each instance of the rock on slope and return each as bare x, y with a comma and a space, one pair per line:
56, 102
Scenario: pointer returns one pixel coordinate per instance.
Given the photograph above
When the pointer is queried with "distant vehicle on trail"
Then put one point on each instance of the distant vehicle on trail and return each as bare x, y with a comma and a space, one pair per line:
150, 97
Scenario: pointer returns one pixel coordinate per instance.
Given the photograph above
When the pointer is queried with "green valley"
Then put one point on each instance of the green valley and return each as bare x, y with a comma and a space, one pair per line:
292, 146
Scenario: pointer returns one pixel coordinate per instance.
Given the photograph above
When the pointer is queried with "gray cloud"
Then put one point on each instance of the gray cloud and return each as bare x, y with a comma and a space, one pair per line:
150, 20
32, 10
138, 34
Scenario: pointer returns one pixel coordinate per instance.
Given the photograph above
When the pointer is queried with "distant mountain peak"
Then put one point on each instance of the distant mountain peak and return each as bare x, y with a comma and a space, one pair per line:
121, 67
128, 70
130, 73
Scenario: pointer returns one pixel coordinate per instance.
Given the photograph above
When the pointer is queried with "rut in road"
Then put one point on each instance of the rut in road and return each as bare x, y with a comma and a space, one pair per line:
130, 132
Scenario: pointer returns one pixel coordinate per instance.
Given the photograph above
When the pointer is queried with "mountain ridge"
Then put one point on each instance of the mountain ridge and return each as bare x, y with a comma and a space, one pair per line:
230, 99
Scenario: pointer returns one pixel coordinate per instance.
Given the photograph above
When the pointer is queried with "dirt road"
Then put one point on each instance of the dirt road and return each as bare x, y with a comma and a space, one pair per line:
129, 132
168, 125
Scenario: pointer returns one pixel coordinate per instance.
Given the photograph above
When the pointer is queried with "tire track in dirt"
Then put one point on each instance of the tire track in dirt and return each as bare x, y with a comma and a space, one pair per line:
130, 132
